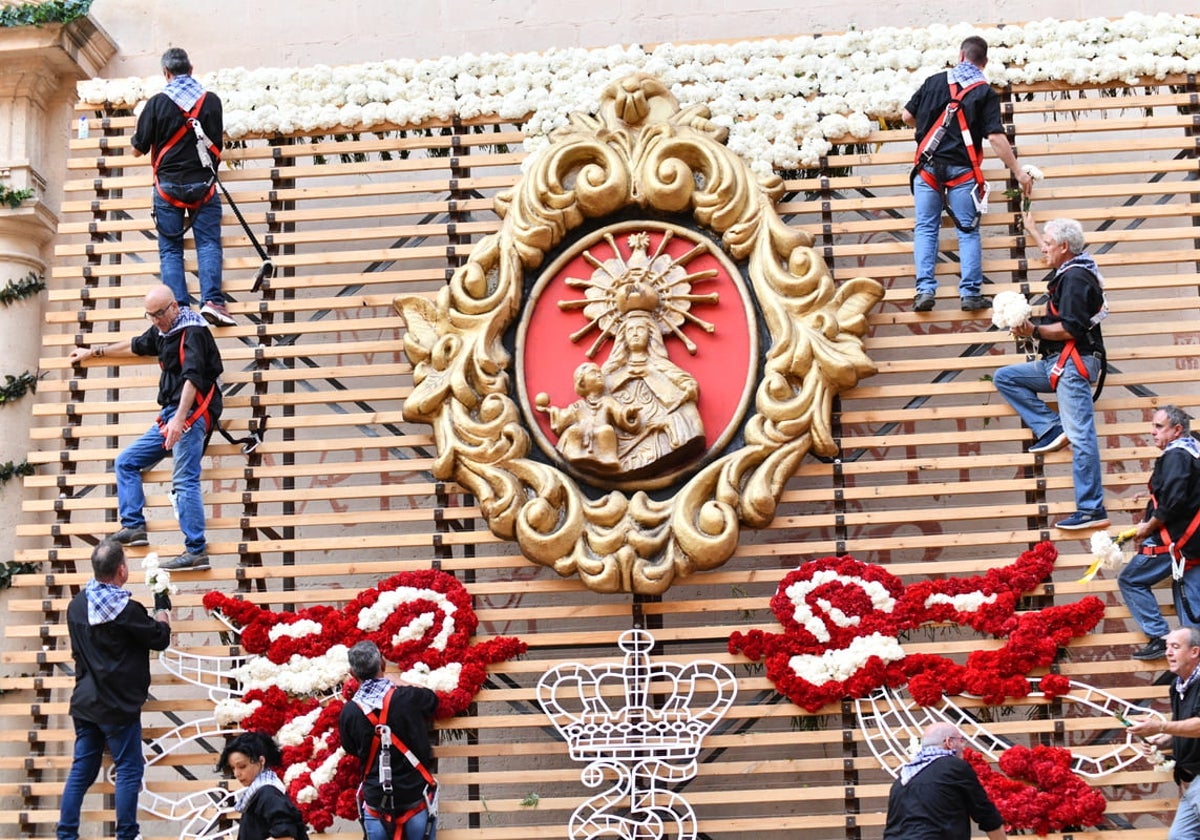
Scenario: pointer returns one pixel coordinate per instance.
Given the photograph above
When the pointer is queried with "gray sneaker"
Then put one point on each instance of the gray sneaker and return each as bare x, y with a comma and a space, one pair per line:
131, 536
188, 561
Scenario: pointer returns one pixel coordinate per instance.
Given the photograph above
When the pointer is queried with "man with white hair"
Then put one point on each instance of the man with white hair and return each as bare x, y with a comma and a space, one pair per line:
938, 794
1072, 351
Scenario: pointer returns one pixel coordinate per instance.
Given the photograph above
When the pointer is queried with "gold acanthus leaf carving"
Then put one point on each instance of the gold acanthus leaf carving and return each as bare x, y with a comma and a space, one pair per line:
641, 151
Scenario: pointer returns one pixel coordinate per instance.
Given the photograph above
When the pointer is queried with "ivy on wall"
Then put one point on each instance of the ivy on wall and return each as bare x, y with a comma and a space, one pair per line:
17, 290
51, 11
15, 387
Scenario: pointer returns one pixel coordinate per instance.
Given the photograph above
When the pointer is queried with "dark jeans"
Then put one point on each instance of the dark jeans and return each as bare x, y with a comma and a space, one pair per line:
124, 741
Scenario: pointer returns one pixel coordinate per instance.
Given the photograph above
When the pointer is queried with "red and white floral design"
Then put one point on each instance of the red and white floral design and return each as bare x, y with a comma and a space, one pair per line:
295, 683
842, 621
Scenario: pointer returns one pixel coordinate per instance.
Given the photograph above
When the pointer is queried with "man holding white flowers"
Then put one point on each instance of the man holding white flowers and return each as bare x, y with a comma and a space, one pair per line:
1072, 351
111, 639
947, 173
1181, 734
1169, 534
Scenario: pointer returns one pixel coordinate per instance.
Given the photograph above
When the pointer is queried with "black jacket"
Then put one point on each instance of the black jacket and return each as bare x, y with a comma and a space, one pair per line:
112, 661
409, 715
159, 121
199, 363
980, 106
1075, 298
269, 813
1175, 486
939, 803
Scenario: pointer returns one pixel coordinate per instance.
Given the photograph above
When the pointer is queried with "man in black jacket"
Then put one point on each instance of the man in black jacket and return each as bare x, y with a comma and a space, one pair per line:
938, 794
111, 639
408, 812
190, 396
1168, 538
185, 162
1180, 736
1071, 346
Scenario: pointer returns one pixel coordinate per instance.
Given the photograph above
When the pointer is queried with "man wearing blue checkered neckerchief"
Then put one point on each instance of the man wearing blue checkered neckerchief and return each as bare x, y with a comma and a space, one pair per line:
111, 639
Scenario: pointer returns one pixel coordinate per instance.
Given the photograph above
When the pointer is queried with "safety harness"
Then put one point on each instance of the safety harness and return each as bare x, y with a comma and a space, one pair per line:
204, 148
209, 154
1179, 563
1070, 353
923, 160
394, 822
213, 423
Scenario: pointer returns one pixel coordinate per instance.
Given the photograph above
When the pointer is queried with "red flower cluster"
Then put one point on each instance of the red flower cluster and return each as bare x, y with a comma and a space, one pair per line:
1036, 790
335, 797
843, 609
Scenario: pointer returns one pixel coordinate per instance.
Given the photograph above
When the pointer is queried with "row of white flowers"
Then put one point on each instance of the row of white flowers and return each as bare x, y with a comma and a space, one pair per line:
783, 101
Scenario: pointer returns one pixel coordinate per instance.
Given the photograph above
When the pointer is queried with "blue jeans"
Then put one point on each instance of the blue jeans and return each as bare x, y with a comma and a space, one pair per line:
928, 208
206, 232
1020, 385
1187, 819
125, 743
143, 454
1136, 582
414, 829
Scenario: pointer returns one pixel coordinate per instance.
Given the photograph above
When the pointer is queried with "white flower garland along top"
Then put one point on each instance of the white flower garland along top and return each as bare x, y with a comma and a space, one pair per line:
783, 101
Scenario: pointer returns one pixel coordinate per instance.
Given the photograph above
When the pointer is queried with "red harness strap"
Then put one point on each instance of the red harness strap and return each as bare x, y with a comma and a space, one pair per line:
395, 822
1175, 547
933, 139
189, 116
201, 408
1070, 353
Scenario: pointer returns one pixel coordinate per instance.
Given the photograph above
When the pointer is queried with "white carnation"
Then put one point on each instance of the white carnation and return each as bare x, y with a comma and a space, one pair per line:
303, 627
967, 602
1106, 551
230, 712
840, 665
1010, 309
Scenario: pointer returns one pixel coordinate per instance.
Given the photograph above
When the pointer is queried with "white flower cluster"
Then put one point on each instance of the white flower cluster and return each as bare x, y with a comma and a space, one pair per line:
1106, 551
296, 731
967, 602
231, 711
300, 675
373, 617
797, 593
840, 665
303, 627
784, 102
442, 680
321, 775
1159, 760
1010, 309
1033, 172
157, 578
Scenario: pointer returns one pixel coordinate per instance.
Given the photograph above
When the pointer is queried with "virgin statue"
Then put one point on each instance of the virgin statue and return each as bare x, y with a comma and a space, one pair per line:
641, 376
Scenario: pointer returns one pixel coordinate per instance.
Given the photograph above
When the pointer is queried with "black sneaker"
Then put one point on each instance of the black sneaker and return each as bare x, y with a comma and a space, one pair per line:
131, 536
1154, 649
1051, 441
188, 561
974, 303
923, 302
1080, 521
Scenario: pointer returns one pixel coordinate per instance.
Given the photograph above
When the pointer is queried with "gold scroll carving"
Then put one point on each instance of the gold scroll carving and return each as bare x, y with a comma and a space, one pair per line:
641, 152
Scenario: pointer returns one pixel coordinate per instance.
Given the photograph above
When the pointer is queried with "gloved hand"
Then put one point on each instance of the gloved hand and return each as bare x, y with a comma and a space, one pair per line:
162, 601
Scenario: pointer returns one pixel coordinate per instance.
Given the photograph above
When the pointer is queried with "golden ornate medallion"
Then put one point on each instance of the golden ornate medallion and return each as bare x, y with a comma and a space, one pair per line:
638, 363
639, 347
